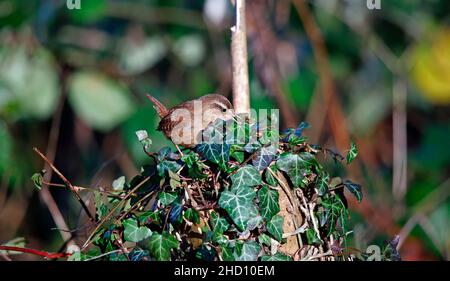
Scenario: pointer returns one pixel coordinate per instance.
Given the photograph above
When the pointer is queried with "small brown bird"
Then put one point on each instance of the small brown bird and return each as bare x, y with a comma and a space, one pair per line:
184, 123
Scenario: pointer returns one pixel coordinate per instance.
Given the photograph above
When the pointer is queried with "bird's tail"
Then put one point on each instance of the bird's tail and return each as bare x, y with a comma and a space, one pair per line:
159, 107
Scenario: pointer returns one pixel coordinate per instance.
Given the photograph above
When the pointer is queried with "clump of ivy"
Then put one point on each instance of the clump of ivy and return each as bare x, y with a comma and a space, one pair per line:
220, 200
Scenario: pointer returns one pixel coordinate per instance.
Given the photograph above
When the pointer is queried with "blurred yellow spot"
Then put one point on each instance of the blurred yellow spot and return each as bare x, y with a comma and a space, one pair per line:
431, 67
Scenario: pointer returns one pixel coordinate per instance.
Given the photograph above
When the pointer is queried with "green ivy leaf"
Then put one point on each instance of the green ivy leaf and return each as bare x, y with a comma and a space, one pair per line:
246, 176
311, 236
355, 189
322, 183
147, 216
218, 153
165, 166
276, 257
334, 209
352, 153
192, 216
295, 165
219, 224
133, 233
238, 203
160, 245
264, 239
275, 227
249, 252
268, 202
270, 179
166, 198
227, 253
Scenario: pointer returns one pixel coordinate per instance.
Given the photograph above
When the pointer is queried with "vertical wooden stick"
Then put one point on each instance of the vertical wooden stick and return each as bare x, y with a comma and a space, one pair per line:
241, 92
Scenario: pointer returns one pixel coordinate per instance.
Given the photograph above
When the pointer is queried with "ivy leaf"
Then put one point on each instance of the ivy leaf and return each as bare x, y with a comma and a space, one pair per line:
238, 203
264, 239
160, 245
311, 236
192, 216
227, 253
219, 224
166, 198
355, 189
264, 157
237, 152
275, 227
322, 183
334, 209
149, 217
246, 176
270, 179
218, 153
133, 233
249, 252
254, 218
166, 165
138, 254
268, 202
276, 257
175, 211
352, 153
295, 164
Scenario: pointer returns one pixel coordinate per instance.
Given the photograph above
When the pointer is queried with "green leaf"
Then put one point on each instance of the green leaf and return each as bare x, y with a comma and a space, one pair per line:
227, 253
246, 176
218, 153
355, 189
275, 227
219, 224
160, 245
295, 165
165, 166
334, 210
268, 202
98, 100
311, 236
238, 203
270, 179
192, 216
322, 183
352, 153
166, 198
37, 179
133, 233
276, 257
264, 239
249, 252
237, 153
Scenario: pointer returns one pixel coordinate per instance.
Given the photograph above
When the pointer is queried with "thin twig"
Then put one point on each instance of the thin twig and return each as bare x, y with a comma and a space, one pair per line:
67, 182
89, 240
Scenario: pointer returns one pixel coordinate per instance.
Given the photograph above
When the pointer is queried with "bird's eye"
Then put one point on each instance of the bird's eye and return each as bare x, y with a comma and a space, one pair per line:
224, 109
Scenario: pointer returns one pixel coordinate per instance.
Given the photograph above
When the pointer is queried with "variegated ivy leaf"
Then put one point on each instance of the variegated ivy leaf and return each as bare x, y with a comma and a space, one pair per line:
275, 227
160, 245
249, 252
268, 202
269, 178
276, 257
246, 176
133, 233
238, 203
352, 153
295, 165
167, 197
